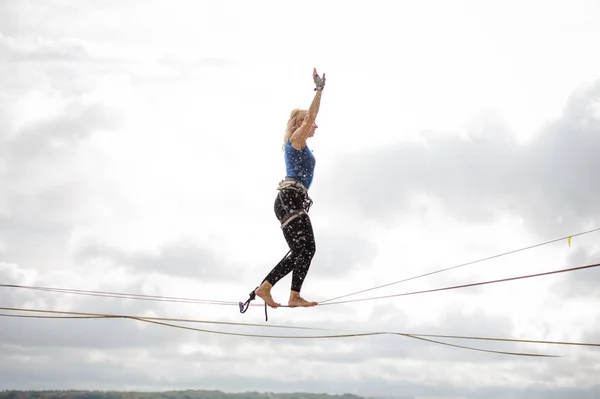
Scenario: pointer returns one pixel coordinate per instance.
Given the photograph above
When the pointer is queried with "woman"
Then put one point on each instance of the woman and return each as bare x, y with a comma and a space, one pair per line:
292, 203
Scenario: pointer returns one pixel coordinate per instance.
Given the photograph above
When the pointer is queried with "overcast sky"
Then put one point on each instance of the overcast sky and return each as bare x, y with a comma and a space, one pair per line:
140, 149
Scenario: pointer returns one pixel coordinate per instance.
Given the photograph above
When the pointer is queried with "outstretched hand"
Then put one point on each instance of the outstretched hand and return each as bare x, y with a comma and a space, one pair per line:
319, 82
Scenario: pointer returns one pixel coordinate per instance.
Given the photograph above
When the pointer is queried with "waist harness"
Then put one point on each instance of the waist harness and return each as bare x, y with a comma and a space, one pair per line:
289, 183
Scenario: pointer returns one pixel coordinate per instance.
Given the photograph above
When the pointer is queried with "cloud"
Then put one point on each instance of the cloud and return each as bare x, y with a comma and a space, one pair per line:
593, 333
184, 258
173, 60
42, 50
478, 178
580, 284
50, 179
342, 253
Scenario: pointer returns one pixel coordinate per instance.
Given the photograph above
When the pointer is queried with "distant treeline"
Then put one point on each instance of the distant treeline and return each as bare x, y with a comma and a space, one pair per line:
188, 394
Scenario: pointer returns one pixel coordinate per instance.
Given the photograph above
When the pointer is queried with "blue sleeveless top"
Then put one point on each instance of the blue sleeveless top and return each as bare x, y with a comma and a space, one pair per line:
299, 164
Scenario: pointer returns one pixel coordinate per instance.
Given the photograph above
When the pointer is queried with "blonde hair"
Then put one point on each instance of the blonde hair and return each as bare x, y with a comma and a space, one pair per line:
292, 123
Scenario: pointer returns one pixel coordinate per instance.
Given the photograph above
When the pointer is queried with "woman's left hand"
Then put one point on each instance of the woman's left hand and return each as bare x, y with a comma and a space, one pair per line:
319, 82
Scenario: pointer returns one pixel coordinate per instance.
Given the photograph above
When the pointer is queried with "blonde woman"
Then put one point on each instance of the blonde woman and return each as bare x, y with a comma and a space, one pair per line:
292, 203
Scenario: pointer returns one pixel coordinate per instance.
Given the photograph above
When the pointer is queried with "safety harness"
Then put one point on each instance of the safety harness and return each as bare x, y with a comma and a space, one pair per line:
293, 184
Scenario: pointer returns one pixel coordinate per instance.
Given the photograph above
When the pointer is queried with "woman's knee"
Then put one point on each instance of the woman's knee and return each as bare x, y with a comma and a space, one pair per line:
304, 244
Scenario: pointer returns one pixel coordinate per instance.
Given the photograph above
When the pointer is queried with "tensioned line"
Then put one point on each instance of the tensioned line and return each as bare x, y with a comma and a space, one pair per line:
325, 302
168, 322
453, 287
121, 295
86, 315
463, 264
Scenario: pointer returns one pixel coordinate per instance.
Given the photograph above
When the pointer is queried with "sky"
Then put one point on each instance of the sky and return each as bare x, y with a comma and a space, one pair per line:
140, 151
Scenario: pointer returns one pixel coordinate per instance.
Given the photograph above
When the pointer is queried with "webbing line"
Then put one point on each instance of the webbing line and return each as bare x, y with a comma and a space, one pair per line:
155, 320
463, 264
324, 302
348, 336
465, 285
349, 333
121, 295
244, 306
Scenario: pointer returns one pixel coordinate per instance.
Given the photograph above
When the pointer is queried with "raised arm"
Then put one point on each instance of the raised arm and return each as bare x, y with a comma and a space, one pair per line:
299, 137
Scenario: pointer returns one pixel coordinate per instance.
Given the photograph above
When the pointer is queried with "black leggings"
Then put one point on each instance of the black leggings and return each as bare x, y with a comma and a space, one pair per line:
299, 236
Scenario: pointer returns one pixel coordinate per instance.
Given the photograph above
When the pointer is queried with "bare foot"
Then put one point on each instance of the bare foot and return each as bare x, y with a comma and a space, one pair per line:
296, 301
264, 292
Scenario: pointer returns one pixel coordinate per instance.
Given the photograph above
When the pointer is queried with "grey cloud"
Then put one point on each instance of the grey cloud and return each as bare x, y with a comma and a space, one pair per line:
67, 18
44, 143
56, 215
184, 258
9, 17
341, 253
174, 61
43, 195
176, 71
37, 225
593, 334
72, 374
548, 182
6, 122
63, 65
579, 284
44, 51
40, 139
215, 61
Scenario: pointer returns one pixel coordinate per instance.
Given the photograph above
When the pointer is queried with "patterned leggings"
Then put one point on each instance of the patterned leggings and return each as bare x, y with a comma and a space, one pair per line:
298, 233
